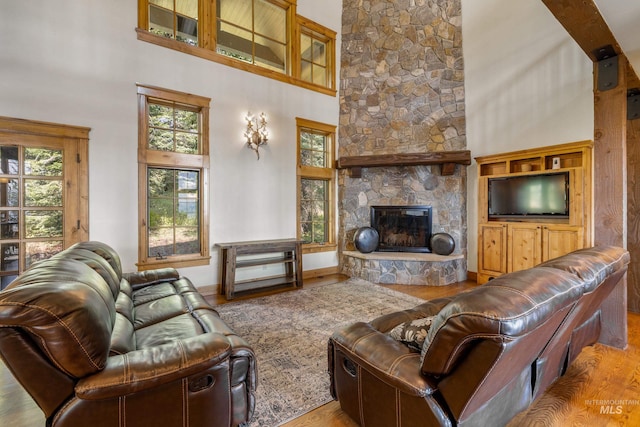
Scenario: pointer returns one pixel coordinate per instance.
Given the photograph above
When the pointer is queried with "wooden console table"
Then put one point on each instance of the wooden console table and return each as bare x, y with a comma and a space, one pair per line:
235, 255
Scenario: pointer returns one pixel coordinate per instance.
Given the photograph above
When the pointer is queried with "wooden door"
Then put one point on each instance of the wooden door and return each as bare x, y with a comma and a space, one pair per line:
43, 192
558, 240
492, 251
525, 246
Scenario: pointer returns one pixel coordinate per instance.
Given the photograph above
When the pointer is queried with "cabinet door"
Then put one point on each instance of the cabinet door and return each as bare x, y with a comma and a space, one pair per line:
524, 245
559, 240
492, 251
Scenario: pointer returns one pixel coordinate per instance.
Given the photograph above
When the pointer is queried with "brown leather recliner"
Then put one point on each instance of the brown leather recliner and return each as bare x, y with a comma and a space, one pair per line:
487, 354
95, 347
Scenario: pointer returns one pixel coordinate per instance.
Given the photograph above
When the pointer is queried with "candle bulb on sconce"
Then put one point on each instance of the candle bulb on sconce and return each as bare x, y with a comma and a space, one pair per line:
256, 133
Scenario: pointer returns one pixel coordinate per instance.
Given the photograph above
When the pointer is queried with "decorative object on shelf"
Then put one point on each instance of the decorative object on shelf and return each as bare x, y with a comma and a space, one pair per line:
526, 167
256, 132
556, 163
366, 239
442, 244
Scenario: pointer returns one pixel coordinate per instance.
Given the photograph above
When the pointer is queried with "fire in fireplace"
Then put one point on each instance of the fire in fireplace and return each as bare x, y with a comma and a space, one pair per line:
402, 228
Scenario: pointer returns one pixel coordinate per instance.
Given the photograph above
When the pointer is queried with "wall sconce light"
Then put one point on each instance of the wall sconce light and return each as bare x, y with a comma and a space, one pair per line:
256, 132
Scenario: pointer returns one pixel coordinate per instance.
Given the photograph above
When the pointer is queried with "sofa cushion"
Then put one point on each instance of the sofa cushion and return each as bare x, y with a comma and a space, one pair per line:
413, 332
123, 337
505, 308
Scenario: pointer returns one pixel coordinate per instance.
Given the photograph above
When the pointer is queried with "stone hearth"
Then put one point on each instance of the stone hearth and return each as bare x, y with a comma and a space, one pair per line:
405, 268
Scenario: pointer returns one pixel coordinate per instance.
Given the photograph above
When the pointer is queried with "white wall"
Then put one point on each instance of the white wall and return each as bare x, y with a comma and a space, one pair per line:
78, 62
527, 84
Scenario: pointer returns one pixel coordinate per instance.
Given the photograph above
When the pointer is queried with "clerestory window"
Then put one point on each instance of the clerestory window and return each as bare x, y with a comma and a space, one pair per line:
254, 31
264, 37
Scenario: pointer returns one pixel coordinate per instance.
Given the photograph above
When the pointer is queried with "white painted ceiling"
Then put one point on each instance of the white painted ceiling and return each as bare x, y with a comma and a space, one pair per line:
623, 18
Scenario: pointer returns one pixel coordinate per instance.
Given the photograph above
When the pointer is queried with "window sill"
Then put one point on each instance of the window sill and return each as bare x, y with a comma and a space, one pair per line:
315, 248
211, 55
173, 262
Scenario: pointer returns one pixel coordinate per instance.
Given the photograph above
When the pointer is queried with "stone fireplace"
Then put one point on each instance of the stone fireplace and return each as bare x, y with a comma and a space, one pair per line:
402, 94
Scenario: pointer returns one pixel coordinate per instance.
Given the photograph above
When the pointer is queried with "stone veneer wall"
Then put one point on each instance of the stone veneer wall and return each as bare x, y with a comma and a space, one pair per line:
402, 91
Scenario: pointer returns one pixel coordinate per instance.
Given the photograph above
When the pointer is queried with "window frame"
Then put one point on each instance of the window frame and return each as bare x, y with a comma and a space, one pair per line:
171, 160
206, 48
318, 32
74, 141
289, 13
310, 172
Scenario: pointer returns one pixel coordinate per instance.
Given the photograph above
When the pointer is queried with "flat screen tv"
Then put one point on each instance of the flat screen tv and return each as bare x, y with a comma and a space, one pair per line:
541, 196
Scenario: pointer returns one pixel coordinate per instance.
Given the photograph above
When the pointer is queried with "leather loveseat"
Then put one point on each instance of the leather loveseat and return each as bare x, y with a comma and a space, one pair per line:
96, 347
477, 358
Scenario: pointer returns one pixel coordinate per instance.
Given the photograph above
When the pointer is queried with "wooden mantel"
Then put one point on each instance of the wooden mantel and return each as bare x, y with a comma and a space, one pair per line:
448, 160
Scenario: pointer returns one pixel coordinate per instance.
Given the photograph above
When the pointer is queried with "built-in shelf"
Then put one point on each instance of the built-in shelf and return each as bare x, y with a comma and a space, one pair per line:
447, 159
518, 243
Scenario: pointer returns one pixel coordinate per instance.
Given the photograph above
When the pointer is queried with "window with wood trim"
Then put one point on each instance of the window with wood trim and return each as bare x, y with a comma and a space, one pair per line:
43, 192
316, 185
174, 19
264, 37
317, 53
173, 159
254, 31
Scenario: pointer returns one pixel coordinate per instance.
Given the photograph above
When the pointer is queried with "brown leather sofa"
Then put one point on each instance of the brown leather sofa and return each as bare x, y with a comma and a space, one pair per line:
487, 354
95, 347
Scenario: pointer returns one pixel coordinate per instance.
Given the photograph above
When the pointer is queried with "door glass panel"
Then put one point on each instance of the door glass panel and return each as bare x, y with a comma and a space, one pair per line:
9, 194
42, 162
37, 251
43, 224
9, 160
9, 226
40, 192
9, 259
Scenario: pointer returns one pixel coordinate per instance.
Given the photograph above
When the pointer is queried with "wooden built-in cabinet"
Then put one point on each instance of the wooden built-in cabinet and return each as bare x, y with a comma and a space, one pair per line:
506, 245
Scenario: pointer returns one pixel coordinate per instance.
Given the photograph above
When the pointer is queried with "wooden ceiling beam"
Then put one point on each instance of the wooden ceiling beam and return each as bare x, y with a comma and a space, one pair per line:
583, 21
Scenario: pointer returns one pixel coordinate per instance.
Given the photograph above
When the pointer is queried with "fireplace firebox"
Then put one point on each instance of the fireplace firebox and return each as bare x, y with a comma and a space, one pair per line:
402, 228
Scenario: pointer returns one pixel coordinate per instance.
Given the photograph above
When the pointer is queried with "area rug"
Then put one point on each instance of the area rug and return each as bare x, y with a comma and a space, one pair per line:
289, 333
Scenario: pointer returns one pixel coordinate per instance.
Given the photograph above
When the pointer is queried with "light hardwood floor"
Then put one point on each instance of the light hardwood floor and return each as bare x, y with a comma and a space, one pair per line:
601, 388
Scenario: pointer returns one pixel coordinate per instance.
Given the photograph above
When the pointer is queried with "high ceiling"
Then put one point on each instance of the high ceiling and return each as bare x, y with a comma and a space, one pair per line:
623, 18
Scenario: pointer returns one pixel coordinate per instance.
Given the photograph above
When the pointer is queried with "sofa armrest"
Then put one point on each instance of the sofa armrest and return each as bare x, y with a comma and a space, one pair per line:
139, 279
148, 368
391, 361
